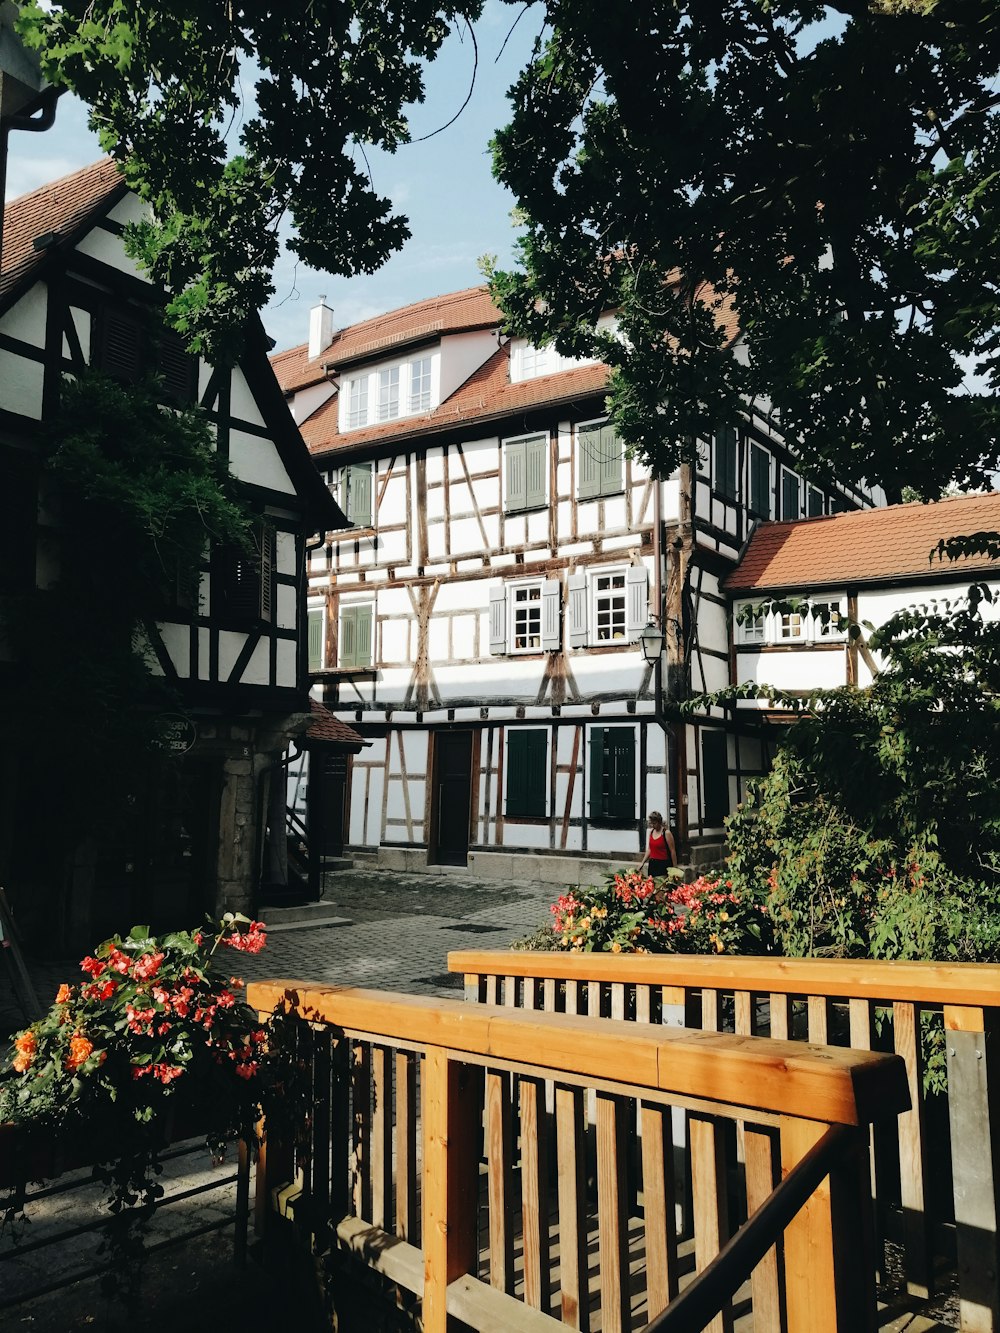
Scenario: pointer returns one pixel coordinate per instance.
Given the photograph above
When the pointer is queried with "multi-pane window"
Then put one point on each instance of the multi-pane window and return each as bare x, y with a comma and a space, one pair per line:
612, 773
752, 630
388, 394
357, 401
526, 618
726, 455
599, 461
420, 385
609, 606
790, 625
527, 768
826, 620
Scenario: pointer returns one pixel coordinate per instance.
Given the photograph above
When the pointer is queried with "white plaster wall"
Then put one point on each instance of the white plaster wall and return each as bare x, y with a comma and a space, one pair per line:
177, 641
107, 248
604, 673
285, 552
230, 646
22, 382
242, 403
307, 401
256, 461
26, 319
129, 208
286, 607
258, 670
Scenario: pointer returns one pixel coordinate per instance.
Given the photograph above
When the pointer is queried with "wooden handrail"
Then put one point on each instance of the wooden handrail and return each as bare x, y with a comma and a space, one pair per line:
975, 984
703, 1298
836, 1086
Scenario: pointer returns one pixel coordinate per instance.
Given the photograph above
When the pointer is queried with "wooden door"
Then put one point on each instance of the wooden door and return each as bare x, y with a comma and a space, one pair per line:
328, 802
452, 792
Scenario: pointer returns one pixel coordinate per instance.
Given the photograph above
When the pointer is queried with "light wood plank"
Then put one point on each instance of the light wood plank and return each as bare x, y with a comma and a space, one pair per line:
361, 1094
572, 1195
535, 1194
549, 993
642, 1003
659, 1204
407, 1217
818, 1011
916, 1225
710, 1010
781, 1006
499, 1167
381, 1150
612, 1215
762, 1174
708, 1189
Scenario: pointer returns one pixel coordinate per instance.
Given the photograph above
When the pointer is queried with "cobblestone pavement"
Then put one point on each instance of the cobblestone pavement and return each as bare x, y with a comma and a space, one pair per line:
394, 933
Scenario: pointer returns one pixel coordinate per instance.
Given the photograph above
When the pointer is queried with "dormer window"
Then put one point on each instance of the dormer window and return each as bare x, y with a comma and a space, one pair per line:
387, 393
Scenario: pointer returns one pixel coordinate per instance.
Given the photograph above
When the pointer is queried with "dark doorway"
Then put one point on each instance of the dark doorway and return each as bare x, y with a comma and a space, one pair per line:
327, 800
452, 793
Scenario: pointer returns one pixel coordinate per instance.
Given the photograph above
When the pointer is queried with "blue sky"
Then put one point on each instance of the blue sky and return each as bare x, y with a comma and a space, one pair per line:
444, 185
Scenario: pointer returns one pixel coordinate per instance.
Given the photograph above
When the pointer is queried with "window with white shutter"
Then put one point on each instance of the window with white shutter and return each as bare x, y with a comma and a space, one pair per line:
599, 461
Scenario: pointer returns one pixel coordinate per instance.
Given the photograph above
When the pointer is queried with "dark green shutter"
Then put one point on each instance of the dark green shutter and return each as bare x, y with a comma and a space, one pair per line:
611, 462
597, 772
535, 452
760, 481
715, 777
789, 495
517, 492
527, 752
815, 502
363, 648
612, 773
315, 640
588, 465
358, 482
725, 461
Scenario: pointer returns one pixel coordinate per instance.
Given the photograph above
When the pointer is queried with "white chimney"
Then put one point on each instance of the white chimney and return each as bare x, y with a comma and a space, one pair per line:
320, 328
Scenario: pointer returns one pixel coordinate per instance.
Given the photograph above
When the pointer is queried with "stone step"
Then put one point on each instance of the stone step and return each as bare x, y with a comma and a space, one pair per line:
277, 917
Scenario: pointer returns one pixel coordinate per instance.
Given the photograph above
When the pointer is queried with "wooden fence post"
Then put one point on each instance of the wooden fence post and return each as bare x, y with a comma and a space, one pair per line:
452, 1113
972, 1036
829, 1244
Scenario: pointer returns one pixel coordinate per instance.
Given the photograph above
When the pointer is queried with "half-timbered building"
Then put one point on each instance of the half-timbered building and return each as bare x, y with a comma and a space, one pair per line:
479, 622
236, 661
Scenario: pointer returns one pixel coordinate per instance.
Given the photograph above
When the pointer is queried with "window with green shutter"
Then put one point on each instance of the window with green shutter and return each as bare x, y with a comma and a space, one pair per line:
527, 768
316, 640
726, 480
599, 462
356, 494
790, 505
612, 773
525, 461
355, 646
760, 481
815, 502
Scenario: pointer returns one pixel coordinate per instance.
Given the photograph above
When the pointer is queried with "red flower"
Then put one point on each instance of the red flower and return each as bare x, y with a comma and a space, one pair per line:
251, 941
146, 967
93, 965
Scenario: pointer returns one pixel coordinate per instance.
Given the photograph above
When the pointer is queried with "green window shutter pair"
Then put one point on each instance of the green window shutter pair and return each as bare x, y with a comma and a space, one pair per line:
726, 441
599, 465
525, 461
355, 648
356, 494
714, 777
815, 502
315, 640
527, 753
760, 481
612, 773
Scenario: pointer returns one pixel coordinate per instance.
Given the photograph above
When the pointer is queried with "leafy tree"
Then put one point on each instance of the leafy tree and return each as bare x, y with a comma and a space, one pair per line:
164, 84
829, 173
877, 831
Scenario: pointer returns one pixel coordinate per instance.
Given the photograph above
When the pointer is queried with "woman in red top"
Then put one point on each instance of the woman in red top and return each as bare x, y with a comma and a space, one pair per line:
661, 852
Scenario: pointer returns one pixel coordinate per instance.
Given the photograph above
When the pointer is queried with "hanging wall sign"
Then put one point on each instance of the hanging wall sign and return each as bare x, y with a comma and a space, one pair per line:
176, 733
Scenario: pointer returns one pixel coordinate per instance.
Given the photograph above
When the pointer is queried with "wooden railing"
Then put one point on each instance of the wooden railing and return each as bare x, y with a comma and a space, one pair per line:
935, 1177
448, 1153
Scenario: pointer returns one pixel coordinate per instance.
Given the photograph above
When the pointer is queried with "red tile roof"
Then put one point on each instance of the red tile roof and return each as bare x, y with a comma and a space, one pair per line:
485, 394
325, 727
62, 207
867, 546
456, 312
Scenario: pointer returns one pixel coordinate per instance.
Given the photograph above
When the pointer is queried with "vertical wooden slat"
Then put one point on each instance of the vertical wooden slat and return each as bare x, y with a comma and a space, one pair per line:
761, 1177
594, 999
510, 991
780, 1016
452, 1109
642, 1003
572, 996
829, 1264
341, 1193
534, 1194
572, 1192
612, 1215
618, 1000
361, 1085
549, 995
744, 1017
406, 1146
530, 993
492, 986
860, 1015
381, 1149
916, 1229
710, 1010
818, 1009
973, 1076
474, 988
708, 1188
322, 1132
499, 1168
659, 1206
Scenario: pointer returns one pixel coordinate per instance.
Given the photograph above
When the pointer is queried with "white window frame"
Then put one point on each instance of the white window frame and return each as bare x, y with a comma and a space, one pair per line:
388, 396
523, 586
386, 392
356, 402
754, 630
421, 373
611, 572
791, 625
831, 629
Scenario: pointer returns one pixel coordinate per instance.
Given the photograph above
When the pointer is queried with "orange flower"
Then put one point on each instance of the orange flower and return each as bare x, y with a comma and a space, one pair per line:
64, 994
80, 1048
26, 1045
